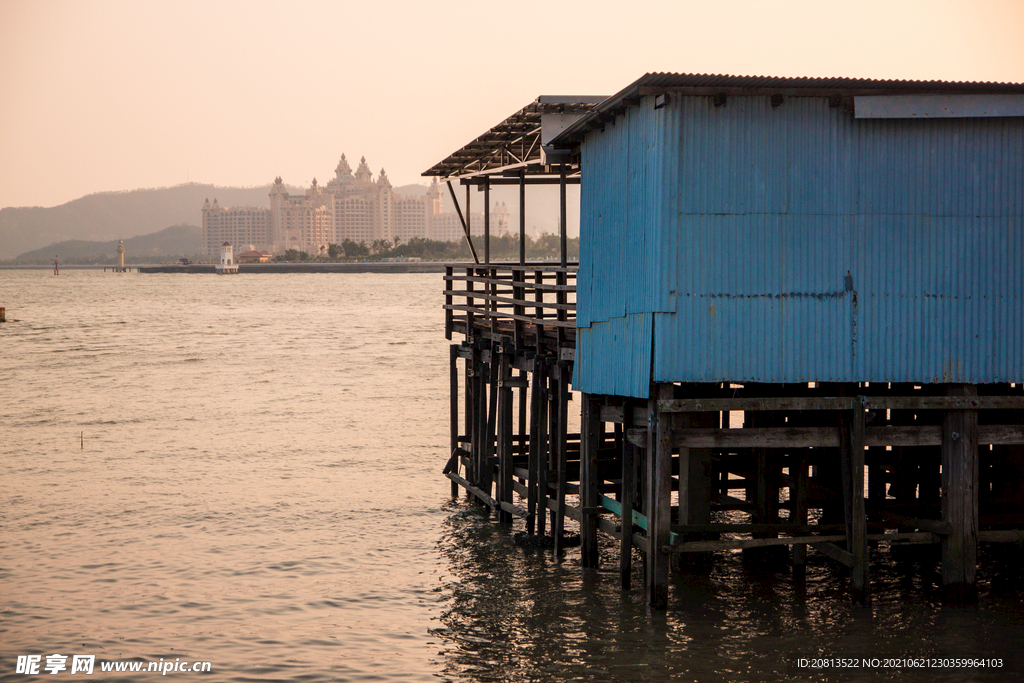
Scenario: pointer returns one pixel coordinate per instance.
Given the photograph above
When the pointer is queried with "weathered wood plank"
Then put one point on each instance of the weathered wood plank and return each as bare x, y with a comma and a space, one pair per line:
689, 405
960, 496
629, 463
827, 542
835, 552
615, 414
453, 414
482, 495
783, 528
589, 435
659, 498
828, 437
1002, 536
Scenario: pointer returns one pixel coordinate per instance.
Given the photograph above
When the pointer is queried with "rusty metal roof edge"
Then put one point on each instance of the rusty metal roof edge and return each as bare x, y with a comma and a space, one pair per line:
542, 104
707, 84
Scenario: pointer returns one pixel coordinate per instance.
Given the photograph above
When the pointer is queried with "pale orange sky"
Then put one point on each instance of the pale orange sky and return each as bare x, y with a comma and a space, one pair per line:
98, 96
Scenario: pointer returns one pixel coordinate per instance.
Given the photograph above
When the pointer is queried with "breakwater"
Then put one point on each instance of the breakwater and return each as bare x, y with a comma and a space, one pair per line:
249, 268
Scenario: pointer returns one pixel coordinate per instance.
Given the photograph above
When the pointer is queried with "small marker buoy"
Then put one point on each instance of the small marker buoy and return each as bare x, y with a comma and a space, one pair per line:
3, 314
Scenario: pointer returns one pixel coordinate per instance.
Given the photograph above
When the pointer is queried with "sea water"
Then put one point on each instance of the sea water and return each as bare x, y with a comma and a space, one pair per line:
246, 471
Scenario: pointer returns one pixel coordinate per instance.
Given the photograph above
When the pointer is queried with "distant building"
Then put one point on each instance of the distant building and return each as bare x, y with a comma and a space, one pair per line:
351, 206
239, 225
253, 256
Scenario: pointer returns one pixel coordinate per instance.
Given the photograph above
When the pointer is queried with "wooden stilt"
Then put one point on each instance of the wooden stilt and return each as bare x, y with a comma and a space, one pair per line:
504, 437
798, 473
851, 429
960, 499
453, 425
628, 501
589, 440
470, 411
536, 443
659, 497
490, 423
544, 448
522, 404
558, 438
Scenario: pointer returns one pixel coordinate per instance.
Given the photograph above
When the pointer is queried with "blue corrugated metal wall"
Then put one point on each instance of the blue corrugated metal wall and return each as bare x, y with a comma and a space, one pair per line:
735, 227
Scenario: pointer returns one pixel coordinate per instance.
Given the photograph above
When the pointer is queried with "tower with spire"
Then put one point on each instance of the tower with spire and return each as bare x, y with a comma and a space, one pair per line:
363, 173
350, 206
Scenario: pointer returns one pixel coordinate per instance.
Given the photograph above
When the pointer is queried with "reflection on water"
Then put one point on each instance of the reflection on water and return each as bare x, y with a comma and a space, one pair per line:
247, 471
514, 614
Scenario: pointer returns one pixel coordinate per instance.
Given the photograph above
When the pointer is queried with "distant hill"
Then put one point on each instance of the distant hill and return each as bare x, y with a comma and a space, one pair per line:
167, 245
117, 215
107, 216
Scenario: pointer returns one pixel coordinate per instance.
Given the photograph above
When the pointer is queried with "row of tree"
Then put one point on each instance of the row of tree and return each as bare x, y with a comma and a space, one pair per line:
503, 248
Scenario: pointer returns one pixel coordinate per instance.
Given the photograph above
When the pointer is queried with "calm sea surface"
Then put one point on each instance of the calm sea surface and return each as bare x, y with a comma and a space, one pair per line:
246, 470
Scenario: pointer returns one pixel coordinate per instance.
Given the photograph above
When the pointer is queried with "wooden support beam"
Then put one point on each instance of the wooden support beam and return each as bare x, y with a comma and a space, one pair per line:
470, 412
480, 494
798, 495
691, 405
851, 447
559, 435
453, 412
490, 423
1002, 536
835, 552
538, 444
542, 383
960, 498
628, 501
504, 436
659, 497
824, 544
828, 437
589, 435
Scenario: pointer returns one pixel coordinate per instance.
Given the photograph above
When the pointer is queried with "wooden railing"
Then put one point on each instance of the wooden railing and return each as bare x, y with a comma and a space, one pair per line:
516, 299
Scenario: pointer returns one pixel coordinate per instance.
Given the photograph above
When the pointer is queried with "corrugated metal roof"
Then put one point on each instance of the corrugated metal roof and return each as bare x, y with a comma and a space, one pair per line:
514, 141
711, 84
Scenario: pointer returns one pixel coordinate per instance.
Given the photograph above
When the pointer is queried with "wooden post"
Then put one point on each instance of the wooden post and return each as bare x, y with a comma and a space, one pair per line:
628, 500
522, 217
559, 438
536, 444
490, 423
798, 473
851, 447
487, 222
523, 439
453, 423
960, 498
589, 438
659, 496
480, 413
544, 446
504, 435
469, 411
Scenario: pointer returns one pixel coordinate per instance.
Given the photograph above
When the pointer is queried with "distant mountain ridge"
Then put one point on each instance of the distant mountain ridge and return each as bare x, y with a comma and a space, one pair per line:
108, 216
167, 245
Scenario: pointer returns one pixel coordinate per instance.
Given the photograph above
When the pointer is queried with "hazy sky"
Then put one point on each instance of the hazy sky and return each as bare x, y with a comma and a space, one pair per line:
98, 96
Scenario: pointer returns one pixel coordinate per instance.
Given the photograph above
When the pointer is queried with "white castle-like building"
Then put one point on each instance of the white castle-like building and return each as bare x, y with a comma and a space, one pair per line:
351, 206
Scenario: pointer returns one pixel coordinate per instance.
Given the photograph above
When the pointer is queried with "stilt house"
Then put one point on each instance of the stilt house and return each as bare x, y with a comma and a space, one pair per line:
798, 322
